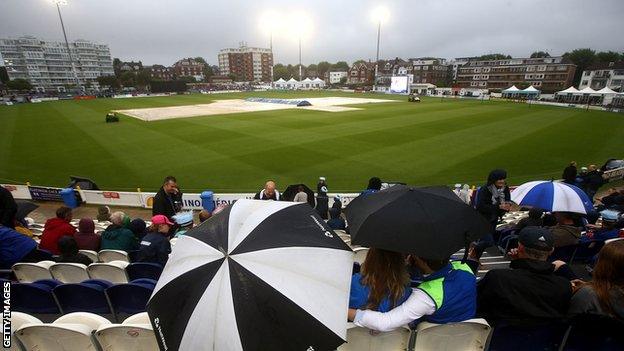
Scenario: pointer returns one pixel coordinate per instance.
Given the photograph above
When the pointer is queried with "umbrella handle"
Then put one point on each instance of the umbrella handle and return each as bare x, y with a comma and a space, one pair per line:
466, 248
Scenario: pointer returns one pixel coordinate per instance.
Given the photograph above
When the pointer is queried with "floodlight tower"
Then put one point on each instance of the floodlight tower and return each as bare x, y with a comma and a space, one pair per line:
378, 15
71, 59
269, 23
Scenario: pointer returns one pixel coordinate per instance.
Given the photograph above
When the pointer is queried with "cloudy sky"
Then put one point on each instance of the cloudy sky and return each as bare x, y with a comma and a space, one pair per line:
162, 31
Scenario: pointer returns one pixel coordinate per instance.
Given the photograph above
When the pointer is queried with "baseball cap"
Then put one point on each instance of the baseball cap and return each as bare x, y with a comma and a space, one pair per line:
458, 185
609, 215
536, 238
161, 219
183, 218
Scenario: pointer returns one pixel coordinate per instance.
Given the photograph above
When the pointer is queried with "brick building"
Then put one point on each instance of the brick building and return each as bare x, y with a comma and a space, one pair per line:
431, 70
247, 63
549, 74
361, 73
188, 67
160, 72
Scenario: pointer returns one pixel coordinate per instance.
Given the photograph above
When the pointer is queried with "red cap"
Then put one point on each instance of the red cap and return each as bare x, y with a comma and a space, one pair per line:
161, 219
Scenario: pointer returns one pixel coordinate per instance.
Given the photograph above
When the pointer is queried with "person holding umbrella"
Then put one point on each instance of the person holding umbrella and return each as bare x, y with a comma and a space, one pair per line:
493, 202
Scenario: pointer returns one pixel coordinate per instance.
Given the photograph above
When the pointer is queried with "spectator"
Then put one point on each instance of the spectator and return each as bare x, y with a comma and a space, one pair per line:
86, 239
336, 222
569, 173
69, 252
322, 201
529, 290
565, 232
184, 220
609, 230
493, 202
268, 193
533, 220
301, 195
605, 293
23, 229
447, 294
138, 228
204, 215
168, 200
104, 213
8, 208
464, 194
155, 246
16, 247
613, 200
337, 202
116, 237
383, 282
593, 181
374, 185
55, 228
581, 179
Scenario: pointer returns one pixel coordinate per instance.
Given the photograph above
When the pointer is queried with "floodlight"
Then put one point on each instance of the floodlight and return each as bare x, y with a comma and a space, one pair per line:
59, 2
380, 14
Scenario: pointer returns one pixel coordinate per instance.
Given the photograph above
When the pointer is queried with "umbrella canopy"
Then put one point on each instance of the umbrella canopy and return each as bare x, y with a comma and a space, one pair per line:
552, 197
430, 222
24, 207
259, 275
292, 190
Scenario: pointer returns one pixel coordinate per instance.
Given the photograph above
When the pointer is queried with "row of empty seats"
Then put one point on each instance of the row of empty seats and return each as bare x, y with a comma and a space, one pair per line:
82, 331
115, 271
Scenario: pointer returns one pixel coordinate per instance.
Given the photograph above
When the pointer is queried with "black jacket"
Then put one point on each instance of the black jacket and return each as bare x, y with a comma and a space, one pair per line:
8, 208
594, 180
166, 204
155, 248
490, 211
527, 292
569, 174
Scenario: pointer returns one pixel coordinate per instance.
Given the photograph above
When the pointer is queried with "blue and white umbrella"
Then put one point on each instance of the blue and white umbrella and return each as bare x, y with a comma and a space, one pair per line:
552, 197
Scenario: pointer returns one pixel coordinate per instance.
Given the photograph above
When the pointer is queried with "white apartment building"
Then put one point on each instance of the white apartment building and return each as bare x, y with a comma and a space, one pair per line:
247, 63
46, 64
336, 76
607, 74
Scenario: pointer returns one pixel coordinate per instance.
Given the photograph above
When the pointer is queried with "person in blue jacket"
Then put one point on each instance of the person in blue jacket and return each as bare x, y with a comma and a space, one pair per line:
16, 247
383, 282
374, 185
609, 229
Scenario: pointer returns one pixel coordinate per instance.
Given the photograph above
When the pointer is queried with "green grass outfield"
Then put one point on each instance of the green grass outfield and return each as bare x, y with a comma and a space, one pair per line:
433, 142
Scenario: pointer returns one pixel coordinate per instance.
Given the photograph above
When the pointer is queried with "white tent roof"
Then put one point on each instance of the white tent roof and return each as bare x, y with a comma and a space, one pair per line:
318, 80
587, 90
307, 80
292, 80
281, 80
606, 90
531, 89
569, 90
511, 89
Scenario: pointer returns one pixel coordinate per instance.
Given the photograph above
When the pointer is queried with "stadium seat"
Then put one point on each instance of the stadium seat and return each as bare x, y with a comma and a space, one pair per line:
543, 336
19, 319
362, 339
83, 297
563, 253
71, 332
135, 337
594, 332
93, 255
133, 255
360, 254
612, 240
129, 298
34, 298
114, 271
467, 335
139, 318
29, 272
140, 270
69, 272
112, 255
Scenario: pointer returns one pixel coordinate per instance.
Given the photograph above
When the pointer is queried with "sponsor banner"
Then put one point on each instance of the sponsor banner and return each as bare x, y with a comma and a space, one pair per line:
116, 198
42, 193
192, 201
84, 97
18, 191
614, 174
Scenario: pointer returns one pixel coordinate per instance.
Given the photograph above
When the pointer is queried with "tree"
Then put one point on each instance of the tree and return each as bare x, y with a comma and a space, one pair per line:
323, 67
540, 54
127, 79
207, 70
187, 79
494, 57
109, 81
311, 70
117, 67
19, 84
280, 71
343, 80
358, 61
340, 66
142, 78
4, 75
582, 58
608, 56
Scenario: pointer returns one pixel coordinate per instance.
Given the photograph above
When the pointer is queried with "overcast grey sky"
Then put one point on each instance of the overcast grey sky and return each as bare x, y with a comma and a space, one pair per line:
159, 31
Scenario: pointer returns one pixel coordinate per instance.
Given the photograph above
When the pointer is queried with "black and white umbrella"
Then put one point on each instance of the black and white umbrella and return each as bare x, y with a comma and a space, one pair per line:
260, 275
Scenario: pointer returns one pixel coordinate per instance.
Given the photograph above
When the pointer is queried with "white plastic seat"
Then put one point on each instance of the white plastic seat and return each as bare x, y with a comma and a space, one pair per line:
114, 271
127, 337
469, 335
93, 255
91, 320
69, 272
139, 318
29, 272
113, 255
612, 240
19, 319
362, 339
360, 254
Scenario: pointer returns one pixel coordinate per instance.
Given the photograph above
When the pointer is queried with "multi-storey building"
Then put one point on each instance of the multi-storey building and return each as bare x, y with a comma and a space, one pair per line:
161, 72
361, 73
334, 77
188, 67
607, 74
247, 63
549, 74
431, 70
47, 66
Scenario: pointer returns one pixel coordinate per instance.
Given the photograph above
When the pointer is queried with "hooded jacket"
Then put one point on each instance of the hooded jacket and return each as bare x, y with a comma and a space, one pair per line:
13, 247
54, 229
116, 237
86, 237
565, 235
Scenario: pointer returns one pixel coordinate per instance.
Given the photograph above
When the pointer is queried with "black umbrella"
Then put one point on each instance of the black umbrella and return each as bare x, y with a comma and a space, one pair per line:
24, 207
430, 222
292, 190
259, 275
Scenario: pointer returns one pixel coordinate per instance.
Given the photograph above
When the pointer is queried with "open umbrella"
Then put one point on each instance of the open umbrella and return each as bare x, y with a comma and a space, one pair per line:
24, 207
430, 222
552, 197
292, 190
259, 275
